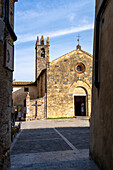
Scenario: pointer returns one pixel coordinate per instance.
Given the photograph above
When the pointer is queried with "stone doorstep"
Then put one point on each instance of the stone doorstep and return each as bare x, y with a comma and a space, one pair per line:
82, 117
40, 118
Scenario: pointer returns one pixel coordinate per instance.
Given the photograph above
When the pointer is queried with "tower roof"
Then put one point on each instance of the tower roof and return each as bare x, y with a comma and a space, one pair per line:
42, 40
47, 41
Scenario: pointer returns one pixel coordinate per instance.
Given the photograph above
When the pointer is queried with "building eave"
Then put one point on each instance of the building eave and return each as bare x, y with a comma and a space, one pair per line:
24, 83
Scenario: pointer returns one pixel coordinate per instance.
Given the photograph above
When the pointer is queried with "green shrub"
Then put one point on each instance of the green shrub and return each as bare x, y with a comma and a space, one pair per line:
13, 131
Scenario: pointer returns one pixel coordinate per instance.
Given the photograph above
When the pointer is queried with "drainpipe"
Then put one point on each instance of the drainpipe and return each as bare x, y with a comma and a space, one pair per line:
96, 55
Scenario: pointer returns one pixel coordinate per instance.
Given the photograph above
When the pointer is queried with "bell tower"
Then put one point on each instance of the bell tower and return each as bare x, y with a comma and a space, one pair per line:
42, 55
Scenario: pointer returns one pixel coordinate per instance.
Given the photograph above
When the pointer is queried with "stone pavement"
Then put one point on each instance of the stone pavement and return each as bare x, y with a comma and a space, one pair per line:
59, 144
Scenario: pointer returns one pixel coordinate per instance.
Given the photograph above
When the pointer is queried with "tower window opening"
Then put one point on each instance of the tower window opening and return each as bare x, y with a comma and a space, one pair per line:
42, 53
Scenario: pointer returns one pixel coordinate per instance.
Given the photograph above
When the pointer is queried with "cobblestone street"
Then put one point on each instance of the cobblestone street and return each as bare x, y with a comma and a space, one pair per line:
52, 144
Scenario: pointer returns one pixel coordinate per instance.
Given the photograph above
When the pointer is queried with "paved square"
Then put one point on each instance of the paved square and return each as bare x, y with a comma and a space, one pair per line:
52, 144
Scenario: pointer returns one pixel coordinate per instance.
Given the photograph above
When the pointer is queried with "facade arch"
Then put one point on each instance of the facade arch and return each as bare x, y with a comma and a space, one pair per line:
81, 89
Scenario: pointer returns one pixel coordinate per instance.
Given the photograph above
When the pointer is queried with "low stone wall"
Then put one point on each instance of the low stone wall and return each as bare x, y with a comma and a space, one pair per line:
35, 109
41, 108
32, 110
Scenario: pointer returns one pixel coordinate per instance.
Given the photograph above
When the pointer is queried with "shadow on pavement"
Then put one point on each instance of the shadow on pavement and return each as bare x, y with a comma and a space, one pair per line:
47, 140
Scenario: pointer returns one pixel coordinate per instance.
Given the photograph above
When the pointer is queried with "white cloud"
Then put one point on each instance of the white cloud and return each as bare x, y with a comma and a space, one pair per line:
73, 30
30, 37
47, 15
72, 17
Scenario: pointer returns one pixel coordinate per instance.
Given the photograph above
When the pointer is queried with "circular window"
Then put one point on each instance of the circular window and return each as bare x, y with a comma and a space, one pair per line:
79, 68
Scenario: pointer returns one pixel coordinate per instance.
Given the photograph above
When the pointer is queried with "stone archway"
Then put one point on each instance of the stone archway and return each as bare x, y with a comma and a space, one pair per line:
81, 88
80, 102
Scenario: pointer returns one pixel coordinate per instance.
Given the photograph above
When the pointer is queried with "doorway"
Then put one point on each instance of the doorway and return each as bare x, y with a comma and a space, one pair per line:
80, 105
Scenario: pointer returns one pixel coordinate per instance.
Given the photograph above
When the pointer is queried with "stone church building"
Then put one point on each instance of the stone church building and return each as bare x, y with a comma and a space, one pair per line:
62, 87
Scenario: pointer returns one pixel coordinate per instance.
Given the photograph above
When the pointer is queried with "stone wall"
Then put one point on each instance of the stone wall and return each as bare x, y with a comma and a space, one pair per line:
5, 94
41, 108
101, 132
62, 81
35, 109
5, 111
41, 84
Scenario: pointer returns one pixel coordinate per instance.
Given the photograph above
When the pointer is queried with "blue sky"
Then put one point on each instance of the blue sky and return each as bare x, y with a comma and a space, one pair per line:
61, 20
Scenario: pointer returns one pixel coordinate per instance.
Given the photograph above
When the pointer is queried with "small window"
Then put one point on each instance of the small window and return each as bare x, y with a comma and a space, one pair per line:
42, 53
26, 89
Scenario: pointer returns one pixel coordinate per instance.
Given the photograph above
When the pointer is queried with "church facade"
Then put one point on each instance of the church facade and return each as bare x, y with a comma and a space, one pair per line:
62, 87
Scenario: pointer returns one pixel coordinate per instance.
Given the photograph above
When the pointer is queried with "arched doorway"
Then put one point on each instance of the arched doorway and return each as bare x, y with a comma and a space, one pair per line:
80, 101
81, 89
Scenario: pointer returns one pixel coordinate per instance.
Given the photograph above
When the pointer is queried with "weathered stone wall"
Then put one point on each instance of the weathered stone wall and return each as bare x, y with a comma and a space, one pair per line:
101, 132
5, 111
36, 108
5, 96
41, 85
62, 81
32, 110
41, 112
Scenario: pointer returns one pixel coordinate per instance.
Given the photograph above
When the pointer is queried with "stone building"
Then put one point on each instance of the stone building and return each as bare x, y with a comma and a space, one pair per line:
101, 131
69, 83
20, 91
62, 87
7, 37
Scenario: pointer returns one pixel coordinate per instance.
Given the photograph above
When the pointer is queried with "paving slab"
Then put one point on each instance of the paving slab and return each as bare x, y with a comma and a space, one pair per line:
79, 136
